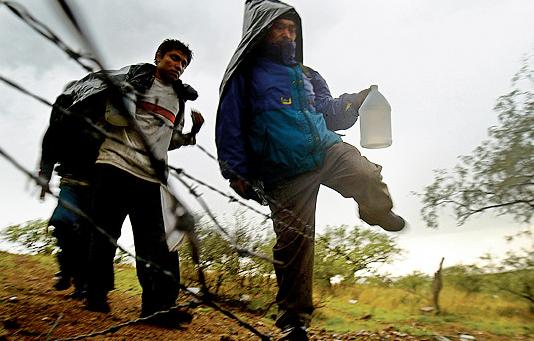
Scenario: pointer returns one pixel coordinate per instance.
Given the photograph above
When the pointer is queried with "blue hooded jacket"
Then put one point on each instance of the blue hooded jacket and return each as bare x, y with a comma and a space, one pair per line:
276, 117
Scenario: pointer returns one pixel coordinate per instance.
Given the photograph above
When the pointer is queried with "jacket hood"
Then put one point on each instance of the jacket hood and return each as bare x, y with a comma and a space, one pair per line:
258, 17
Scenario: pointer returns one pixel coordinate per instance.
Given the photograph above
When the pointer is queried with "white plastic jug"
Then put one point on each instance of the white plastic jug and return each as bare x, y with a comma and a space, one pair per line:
375, 120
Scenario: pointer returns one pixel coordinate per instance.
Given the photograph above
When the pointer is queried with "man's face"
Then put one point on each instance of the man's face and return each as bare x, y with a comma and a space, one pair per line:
170, 66
282, 30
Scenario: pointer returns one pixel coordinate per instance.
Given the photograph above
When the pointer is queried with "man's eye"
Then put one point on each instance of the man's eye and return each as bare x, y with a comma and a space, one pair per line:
281, 27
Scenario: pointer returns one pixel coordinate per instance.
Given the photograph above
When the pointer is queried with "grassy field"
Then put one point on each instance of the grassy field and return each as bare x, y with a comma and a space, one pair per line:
364, 307
475, 313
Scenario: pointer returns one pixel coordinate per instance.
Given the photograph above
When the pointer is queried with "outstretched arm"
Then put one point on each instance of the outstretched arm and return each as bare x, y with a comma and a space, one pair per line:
339, 113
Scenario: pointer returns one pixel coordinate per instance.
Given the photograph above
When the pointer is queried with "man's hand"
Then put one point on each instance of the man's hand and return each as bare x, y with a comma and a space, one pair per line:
359, 97
241, 187
198, 121
247, 191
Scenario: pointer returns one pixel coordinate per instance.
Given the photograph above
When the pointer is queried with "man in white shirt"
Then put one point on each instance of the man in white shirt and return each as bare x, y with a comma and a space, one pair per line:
128, 182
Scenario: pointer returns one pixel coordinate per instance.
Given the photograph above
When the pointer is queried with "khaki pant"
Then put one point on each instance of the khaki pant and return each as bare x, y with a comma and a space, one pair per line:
344, 170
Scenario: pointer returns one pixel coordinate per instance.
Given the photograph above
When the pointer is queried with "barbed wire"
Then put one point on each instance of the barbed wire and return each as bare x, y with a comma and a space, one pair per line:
204, 298
241, 251
115, 90
309, 227
232, 198
253, 209
191, 236
208, 303
114, 87
54, 39
77, 211
64, 111
26, 17
60, 316
274, 203
102, 131
116, 327
47, 33
154, 161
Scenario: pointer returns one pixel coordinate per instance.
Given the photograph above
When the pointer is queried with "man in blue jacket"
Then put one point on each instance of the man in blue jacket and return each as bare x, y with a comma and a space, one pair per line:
275, 124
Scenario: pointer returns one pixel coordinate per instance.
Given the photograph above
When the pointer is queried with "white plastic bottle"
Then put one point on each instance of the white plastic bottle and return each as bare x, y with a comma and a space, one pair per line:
375, 120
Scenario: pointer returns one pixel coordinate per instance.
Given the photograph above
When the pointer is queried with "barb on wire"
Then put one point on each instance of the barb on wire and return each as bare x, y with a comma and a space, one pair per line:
274, 204
44, 31
231, 198
115, 91
85, 119
78, 212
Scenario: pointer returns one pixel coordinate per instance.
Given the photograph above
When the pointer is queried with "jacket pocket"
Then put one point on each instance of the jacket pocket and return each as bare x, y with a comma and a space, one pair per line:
273, 99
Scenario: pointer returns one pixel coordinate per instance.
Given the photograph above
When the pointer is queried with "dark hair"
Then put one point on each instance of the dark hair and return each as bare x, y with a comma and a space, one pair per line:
173, 44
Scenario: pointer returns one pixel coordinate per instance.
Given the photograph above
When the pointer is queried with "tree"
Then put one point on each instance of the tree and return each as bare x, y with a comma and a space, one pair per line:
222, 263
31, 235
499, 174
515, 273
35, 237
414, 282
349, 251
468, 278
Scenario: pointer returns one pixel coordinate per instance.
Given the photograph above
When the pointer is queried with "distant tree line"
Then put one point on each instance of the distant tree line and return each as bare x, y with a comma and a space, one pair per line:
353, 253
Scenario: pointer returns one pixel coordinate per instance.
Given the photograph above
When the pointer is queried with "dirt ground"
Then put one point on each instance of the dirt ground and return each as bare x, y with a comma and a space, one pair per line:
31, 310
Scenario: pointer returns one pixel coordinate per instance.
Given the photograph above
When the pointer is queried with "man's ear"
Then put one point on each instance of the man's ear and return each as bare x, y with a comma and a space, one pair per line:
158, 57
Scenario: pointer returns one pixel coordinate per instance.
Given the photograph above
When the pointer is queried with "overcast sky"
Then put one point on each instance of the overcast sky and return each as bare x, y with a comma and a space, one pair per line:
441, 64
